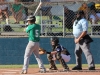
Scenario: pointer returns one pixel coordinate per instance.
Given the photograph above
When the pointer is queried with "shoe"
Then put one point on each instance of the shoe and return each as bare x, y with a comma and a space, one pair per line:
66, 69
24, 72
91, 68
53, 68
42, 70
76, 68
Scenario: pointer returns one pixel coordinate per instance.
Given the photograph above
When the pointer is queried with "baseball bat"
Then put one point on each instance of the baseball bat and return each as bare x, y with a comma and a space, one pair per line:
37, 8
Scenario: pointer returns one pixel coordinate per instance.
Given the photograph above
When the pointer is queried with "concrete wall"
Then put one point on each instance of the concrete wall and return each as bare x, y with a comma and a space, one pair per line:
12, 50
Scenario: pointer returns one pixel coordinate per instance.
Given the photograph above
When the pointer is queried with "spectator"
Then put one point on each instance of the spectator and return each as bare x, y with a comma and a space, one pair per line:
69, 17
85, 8
18, 12
4, 11
26, 2
94, 19
91, 6
46, 10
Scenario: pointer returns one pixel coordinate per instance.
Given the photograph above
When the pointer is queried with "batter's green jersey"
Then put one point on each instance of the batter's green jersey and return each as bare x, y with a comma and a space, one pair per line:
33, 31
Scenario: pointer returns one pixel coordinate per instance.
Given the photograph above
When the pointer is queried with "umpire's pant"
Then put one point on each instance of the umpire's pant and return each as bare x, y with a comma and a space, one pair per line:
82, 46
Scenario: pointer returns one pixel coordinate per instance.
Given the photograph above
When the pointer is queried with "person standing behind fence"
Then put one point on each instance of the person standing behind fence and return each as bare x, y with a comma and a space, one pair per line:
33, 31
18, 12
27, 2
84, 7
80, 28
4, 11
69, 18
46, 10
94, 18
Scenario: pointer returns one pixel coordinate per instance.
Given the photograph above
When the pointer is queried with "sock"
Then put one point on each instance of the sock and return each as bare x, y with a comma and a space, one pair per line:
7, 21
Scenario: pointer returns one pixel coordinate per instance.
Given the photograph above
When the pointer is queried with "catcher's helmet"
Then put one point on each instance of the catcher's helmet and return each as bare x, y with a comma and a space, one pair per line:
55, 40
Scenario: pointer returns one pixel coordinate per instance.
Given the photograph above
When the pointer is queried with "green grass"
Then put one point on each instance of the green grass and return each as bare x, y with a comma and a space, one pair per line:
46, 65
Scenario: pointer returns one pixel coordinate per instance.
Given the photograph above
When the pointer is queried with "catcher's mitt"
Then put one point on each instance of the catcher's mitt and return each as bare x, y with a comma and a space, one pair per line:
42, 51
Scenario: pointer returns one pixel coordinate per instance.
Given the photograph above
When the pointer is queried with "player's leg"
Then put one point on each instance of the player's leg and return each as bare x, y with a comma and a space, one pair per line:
37, 56
14, 16
19, 16
78, 53
88, 55
62, 62
66, 57
7, 16
52, 62
27, 54
0, 14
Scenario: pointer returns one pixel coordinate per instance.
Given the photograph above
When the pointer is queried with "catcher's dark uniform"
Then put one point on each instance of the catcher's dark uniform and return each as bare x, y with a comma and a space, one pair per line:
60, 51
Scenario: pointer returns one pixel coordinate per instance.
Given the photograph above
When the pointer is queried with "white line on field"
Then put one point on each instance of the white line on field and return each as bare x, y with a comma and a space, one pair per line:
8, 72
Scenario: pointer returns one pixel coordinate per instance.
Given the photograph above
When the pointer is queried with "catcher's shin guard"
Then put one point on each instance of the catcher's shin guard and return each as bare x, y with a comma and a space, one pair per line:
52, 65
49, 57
63, 63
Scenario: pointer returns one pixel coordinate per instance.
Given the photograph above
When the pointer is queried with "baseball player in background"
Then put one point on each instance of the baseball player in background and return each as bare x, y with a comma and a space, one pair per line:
33, 31
58, 53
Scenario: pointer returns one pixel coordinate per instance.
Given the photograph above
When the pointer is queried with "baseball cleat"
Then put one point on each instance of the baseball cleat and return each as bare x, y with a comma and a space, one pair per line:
24, 72
91, 68
64, 70
53, 68
42, 70
76, 68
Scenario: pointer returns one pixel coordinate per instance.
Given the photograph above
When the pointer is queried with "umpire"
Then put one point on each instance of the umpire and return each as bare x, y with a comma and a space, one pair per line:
80, 28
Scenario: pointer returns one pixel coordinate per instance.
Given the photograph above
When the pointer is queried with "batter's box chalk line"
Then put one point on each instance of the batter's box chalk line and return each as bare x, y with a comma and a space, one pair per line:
84, 71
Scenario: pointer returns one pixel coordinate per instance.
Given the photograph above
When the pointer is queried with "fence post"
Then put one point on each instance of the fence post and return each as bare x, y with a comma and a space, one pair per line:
63, 23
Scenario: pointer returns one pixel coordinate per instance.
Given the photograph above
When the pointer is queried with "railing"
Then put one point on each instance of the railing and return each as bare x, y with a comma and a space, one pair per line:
95, 29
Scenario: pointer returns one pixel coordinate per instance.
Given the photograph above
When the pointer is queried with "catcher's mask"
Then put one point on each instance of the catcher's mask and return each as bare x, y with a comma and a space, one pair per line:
55, 40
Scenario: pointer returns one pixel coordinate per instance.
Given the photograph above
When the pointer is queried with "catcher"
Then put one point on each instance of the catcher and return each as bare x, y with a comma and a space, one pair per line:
58, 53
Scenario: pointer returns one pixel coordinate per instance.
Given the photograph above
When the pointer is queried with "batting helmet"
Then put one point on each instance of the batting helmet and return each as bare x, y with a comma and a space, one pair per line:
31, 17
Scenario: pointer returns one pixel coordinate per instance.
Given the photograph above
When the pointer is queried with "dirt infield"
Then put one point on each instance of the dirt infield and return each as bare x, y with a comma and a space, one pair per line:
34, 71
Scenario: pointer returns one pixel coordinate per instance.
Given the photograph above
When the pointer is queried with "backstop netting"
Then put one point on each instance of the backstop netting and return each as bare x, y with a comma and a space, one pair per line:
52, 16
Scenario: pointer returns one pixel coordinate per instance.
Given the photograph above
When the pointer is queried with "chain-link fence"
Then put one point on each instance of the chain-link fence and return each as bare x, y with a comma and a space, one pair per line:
55, 18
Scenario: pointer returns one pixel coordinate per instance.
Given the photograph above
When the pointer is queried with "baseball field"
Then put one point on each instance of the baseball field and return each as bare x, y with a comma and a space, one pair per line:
33, 70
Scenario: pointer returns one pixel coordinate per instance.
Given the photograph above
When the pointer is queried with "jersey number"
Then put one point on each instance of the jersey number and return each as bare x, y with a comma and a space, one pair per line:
36, 33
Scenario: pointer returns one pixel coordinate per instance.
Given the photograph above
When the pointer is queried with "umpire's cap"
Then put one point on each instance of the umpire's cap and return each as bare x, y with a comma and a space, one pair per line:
31, 17
80, 12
